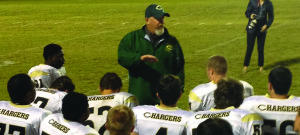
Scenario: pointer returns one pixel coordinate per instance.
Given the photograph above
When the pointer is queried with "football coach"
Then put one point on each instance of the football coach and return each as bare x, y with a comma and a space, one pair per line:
148, 54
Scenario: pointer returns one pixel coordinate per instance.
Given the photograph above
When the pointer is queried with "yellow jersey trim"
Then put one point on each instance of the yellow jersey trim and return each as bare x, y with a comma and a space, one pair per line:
290, 97
251, 117
167, 108
228, 108
194, 97
19, 106
131, 99
38, 73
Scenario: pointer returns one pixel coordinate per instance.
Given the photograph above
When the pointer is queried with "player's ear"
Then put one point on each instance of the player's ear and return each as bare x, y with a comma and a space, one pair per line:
132, 129
67, 91
157, 96
180, 95
270, 87
106, 126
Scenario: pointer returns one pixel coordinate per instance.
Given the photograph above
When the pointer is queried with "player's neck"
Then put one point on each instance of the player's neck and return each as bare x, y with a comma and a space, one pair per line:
107, 92
216, 78
48, 63
167, 106
276, 96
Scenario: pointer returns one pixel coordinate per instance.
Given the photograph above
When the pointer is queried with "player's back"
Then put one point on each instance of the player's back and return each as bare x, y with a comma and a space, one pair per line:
43, 75
55, 124
278, 114
151, 120
201, 98
22, 119
49, 99
100, 104
243, 122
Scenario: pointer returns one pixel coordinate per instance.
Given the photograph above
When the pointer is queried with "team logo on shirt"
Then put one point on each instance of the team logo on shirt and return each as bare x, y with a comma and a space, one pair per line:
212, 115
59, 126
162, 117
278, 108
14, 114
169, 48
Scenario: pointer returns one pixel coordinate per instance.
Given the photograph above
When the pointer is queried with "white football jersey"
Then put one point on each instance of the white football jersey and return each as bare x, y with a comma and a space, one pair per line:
55, 124
44, 75
201, 98
20, 119
155, 120
278, 114
49, 99
243, 122
100, 104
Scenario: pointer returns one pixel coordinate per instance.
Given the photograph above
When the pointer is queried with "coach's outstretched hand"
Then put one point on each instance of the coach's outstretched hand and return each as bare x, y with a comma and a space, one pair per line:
149, 58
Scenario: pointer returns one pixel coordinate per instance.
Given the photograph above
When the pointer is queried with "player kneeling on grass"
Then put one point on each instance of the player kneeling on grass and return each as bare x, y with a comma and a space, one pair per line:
45, 74
120, 120
74, 112
228, 97
18, 116
110, 86
51, 98
277, 108
165, 118
201, 98
214, 126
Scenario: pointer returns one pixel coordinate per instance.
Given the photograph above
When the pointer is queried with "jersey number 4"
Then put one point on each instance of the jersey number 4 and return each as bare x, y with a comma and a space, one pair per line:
162, 131
11, 129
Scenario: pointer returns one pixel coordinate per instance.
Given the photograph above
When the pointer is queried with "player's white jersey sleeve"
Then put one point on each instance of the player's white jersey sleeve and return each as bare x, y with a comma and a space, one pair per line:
43, 75
20, 119
49, 99
55, 124
248, 89
100, 104
278, 114
151, 120
128, 99
243, 122
201, 97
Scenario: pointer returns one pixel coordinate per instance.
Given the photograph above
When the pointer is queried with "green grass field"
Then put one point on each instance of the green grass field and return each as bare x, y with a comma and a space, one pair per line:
90, 31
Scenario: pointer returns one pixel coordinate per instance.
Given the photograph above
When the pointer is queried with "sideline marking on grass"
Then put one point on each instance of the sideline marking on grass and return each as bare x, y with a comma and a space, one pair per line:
228, 23
201, 23
6, 63
237, 38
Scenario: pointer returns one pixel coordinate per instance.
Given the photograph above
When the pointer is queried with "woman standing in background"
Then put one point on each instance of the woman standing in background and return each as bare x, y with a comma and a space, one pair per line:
261, 16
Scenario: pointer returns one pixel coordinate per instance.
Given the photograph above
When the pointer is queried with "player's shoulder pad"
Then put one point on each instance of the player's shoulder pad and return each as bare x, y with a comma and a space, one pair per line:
246, 84
203, 89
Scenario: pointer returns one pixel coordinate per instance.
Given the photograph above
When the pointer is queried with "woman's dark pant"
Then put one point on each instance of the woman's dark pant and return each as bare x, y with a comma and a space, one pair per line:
261, 37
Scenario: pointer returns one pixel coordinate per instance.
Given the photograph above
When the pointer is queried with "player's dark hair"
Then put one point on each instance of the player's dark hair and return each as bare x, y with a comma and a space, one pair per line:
111, 81
229, 92
50, 50
63, 83
214, 126
74, 105
169, 89
18, 86
281, 79
218, 63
